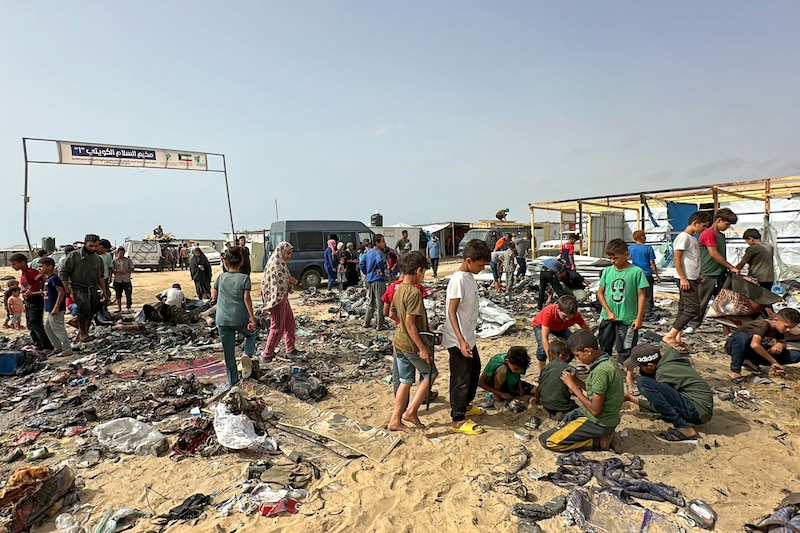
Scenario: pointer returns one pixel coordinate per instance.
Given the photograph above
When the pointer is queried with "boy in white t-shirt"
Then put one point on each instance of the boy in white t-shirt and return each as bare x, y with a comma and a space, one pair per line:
687, 264
459, 336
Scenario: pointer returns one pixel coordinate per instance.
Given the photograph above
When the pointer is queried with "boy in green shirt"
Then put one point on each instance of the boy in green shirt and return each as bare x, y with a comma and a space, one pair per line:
551, 393
590, 426
502, 374
623, 295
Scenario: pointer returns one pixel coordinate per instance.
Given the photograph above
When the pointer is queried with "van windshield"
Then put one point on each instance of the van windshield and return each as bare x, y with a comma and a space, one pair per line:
475, 234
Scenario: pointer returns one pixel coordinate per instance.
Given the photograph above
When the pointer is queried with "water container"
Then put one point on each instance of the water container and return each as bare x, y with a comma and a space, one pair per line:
9, 361
49, 244
376, 220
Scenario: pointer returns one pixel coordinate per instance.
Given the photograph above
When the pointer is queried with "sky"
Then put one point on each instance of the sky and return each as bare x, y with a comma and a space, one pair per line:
423, 111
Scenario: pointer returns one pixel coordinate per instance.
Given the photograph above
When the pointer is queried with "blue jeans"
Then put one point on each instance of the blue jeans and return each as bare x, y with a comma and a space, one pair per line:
522, 267
673, 406
738, 347
537, 331
227, 335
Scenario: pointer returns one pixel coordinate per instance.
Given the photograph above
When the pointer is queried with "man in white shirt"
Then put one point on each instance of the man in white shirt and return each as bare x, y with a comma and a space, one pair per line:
173, 296
687, 264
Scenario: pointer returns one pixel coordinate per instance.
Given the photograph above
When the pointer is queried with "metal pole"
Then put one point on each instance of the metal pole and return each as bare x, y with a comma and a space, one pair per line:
641, 220
277, 216
25, 199
228, 192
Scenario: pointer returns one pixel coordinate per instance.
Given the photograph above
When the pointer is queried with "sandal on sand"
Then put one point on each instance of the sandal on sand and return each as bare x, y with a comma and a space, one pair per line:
468, 428
631, 389
689, 349
476, 411
433, 395
737, 381
673, 435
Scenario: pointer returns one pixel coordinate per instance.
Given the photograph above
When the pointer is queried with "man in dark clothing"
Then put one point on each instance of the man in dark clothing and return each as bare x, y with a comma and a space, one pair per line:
671, 388
82, 275
246, 267
551, 274
523, 245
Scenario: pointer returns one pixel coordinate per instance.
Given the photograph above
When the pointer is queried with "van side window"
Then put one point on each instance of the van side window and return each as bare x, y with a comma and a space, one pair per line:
347, 236
307, 241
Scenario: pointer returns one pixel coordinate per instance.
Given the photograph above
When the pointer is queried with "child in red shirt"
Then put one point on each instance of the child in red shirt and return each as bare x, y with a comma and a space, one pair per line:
556, 319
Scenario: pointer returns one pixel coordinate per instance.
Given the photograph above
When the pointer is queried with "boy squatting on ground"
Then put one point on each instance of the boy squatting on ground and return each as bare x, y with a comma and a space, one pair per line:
590, 426
687, 265
551, 393
556, 319
622, 294
746, 346
503, 374
672, 389
459, 337
410, 350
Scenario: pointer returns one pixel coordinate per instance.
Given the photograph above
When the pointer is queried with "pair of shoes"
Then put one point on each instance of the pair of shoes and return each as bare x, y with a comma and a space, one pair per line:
295, 353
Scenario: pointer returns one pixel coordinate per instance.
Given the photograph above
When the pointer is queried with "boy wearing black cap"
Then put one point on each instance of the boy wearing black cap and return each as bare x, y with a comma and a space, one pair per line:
671, 388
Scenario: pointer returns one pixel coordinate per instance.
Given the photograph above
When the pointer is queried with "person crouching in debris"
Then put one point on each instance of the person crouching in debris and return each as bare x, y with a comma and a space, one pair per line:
231, 292
552, 393
173, 296
275, 287
671, 388
412, 353
502, 375
747, 345
590, 426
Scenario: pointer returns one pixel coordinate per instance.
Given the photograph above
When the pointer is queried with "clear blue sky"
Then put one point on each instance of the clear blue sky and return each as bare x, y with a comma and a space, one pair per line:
426, 111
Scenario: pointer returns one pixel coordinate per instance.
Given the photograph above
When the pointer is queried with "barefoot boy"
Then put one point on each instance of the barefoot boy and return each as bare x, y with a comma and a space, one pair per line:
411, 352
687, 265
459, 336
591, 426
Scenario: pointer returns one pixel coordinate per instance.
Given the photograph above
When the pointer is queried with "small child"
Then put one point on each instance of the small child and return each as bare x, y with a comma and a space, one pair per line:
590, 426
341, 273
551, 393
502, 375
746, 346
10, 284
568, 252
555, 319
15, 308
622, 295
643, 256
410, 350
55, 306
392, 269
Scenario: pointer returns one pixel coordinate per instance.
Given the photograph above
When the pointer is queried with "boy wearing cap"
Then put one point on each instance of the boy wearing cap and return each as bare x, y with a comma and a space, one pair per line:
671, 388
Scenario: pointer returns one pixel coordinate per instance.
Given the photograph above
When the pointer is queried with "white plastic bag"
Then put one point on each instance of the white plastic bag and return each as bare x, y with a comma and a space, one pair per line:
128, 435
237, 432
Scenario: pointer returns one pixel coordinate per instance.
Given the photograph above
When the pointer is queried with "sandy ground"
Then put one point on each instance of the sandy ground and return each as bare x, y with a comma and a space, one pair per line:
743, 465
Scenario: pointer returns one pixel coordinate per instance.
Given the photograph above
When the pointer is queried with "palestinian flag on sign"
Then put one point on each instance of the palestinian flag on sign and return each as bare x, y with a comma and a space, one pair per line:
184, 158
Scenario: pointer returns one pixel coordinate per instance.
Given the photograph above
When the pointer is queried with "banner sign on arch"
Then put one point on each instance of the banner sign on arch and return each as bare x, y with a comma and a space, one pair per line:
71, 153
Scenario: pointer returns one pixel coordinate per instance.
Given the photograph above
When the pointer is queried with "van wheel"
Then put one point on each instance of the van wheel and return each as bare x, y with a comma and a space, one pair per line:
311, 278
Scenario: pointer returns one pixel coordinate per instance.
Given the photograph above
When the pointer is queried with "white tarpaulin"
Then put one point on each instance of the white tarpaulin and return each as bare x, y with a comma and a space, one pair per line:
433, 228
72, 153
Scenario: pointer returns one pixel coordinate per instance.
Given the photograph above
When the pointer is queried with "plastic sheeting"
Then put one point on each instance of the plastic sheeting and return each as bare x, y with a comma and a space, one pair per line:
493, 320
237, 432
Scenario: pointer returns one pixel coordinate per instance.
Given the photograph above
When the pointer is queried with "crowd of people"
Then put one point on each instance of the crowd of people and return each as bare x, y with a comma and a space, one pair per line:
587, 410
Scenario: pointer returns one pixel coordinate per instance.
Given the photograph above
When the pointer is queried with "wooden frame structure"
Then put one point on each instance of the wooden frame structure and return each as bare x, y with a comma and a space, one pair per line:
762, 190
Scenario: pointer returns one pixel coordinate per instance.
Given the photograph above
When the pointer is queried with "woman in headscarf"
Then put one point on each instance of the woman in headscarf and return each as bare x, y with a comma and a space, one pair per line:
200, 270
275, 287
351, 262
330, 263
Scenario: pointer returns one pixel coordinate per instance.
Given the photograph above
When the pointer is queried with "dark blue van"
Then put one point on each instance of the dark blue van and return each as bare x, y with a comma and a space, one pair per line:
309, 239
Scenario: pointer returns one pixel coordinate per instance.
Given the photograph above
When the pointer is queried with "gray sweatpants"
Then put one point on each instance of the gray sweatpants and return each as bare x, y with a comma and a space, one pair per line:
375, 290
57, 332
